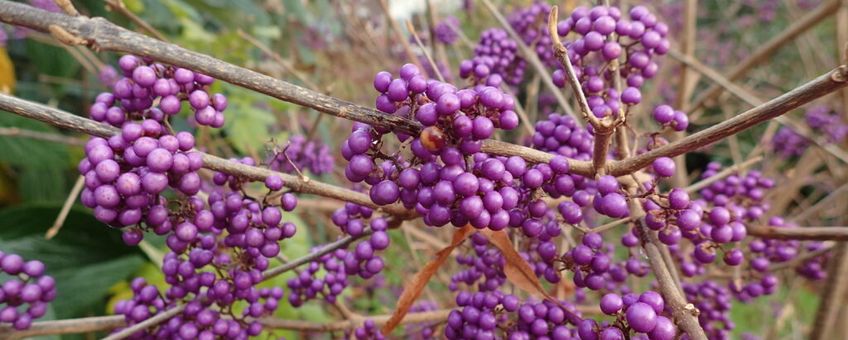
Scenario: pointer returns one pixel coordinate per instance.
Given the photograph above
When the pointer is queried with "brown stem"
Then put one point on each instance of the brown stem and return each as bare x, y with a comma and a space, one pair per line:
562, 54
120, 7
684, 313
69, 326
107, 36
66, 208
824, 84
601, 150
837, 233
150, 322
753, 100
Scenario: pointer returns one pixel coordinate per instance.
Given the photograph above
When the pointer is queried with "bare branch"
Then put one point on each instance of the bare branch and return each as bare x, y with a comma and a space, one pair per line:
685, 314
107, 36
835, 233
150, 322
824, 84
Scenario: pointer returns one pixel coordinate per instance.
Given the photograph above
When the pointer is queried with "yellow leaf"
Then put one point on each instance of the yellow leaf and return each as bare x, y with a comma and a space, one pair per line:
7, 72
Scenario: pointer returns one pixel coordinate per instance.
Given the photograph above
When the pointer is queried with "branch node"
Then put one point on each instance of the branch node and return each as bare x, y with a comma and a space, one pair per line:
65, 37
840, 74
692, 309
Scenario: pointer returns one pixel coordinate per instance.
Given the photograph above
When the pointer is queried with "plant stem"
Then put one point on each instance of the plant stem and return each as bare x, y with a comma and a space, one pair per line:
824, 84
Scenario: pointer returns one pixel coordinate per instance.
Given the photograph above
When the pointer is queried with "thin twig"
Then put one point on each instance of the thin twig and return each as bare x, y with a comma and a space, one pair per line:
562, 54
66, 208
118, 5
826, 233
150, 322
753, 100
384, 5
424, 51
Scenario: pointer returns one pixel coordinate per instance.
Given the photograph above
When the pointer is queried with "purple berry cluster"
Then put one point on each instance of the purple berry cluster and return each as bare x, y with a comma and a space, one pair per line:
668, 117
531, 24
483, 269
219, 250
156, 91
714, 302
126, 175
25, 293
589, 261
447, 30
821, 120
303, 154
368, 331
363, 261
495, 61
788, 143
305, 286
640, 313
423, 330
604, 36
491, 315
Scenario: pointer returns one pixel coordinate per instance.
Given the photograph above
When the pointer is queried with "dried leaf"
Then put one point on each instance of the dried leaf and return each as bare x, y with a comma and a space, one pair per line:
415, 286
516, 269
521, 274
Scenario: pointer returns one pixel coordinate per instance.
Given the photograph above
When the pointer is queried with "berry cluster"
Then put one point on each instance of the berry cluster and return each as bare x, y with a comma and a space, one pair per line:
337, 266
447, 30
713, 302
605, 36
368, 331
156, 91
27, 291
589, 261
821, 119
531, 24
640, 313
495, 60
126, 174
303, 154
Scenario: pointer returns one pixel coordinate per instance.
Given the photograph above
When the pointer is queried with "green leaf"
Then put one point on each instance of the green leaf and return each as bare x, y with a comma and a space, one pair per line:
51, 60
86, 258
40, 165
247, 125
